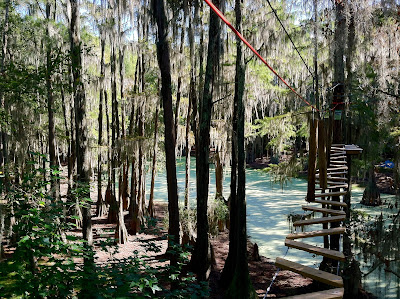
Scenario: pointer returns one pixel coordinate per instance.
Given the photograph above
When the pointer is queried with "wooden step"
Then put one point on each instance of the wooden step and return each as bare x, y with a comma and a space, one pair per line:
320, 220
337, 168
337, 178
323, 210
327, 294
334, 186
331, 202
337, 149
338, 162
335, 154
333, 254
340, 158
331, 194
315, 274
334, 173
334, 183
317, 233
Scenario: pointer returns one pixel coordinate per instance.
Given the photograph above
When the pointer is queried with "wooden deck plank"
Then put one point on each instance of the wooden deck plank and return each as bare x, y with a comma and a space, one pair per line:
333, 254
327, 294
331, 194
339, 157
320, 220
317, 233
335, 154
333, 186
315, 274
323, 210
331, 202
337, 168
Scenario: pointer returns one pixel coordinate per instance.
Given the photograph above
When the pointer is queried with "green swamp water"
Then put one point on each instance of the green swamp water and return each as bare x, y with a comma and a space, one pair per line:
268, 207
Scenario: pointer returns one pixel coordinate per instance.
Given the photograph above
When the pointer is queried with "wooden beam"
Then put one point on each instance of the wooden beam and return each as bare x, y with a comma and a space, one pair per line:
327, 294
331, 194
332, 254
318, 233
315, 274
323, 210
332, 203
320, 220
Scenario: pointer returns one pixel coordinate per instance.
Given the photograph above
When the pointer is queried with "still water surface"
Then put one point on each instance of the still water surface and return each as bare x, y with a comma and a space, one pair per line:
268, 207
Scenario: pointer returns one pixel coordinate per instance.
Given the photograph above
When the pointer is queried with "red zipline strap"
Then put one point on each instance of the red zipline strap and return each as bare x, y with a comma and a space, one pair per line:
223, 18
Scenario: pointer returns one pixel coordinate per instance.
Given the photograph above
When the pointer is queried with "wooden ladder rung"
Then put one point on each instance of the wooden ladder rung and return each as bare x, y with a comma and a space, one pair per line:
335, 154
331, 194
339, 162
323, 210
339, 158
334, 186
333, 254
337, 168
320, 220
331, 202
337, 178
327, 294
318, 233
315, 274
333, 173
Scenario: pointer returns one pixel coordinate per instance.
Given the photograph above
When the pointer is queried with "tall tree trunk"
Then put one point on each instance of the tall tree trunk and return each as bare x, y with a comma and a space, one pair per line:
82, 155
338, 92
55, 182
153, 169
312, 153
81, 130
3, 134
113, 210
240, 285
200, 259
101, 205
163, 57
4, 37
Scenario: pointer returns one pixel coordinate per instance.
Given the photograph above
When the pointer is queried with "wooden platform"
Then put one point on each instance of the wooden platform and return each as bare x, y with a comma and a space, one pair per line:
333, 186
331, 194
327, 294
331, 203
323, 210
332, 254
352, 149
318, 275
317, 233
320, 220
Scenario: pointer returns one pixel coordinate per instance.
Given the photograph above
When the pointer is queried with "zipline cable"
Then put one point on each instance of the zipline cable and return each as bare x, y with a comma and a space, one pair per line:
223, 18
290, 38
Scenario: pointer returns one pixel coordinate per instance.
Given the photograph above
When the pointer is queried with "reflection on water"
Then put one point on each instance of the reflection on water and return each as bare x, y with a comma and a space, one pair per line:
268, 207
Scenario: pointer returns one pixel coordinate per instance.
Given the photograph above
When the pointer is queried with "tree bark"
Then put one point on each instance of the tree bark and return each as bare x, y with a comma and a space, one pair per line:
200, 260
153, 169
240, 285
81, 130
101, 205
55, 182
163, 57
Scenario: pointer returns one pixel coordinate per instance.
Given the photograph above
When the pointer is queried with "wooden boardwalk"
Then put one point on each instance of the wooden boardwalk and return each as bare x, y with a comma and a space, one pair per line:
332, 211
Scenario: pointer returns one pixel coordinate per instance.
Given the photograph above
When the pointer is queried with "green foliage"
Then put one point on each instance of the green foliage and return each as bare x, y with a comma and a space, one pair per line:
43, 262
284, 171
47, 262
